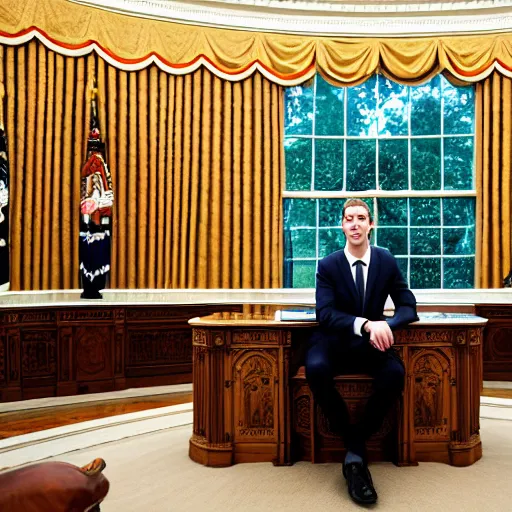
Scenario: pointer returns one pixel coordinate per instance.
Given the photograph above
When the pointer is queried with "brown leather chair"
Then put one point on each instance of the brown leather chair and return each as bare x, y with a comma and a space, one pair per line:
54, 487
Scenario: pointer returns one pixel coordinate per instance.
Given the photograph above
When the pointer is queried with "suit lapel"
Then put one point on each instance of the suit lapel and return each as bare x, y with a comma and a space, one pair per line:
373, 272
346, 275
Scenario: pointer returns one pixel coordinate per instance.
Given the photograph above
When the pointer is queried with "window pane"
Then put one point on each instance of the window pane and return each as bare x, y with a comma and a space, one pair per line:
393, 116
425, 273
298, 116
426, 241
426, 108
459, 108
329, 116
330, 240
298, 155
459, 241
392, 212
304, 243
393, 168
330, 212
304, 274
328, 164
361, 108
458, 163
393, 239
425, 211
459, 272
426, 164
361, 165
300, 212
459, 211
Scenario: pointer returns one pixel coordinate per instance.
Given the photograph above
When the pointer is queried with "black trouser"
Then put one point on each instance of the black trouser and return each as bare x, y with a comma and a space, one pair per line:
330, 357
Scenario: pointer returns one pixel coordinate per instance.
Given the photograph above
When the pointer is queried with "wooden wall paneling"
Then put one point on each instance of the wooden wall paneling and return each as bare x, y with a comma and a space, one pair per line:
12, 343
3, 358
119, 348
497, 341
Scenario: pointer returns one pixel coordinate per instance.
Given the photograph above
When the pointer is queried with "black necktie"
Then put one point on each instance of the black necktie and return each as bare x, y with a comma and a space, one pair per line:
360, 284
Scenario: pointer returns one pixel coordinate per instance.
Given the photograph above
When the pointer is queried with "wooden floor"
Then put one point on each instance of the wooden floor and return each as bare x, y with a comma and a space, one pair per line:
34, 420
497, 393
17, 423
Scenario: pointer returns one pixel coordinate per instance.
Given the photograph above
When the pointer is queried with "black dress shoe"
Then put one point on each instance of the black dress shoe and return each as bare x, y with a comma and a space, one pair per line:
360, 485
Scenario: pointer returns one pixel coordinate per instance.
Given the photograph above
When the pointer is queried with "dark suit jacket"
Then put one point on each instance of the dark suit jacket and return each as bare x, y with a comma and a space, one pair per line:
336, 295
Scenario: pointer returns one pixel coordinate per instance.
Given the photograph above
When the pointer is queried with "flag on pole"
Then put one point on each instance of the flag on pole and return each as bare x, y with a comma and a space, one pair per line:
4, 211
4, 201
96, 201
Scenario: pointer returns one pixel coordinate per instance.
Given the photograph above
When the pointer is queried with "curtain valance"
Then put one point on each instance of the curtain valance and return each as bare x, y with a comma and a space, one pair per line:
132, 43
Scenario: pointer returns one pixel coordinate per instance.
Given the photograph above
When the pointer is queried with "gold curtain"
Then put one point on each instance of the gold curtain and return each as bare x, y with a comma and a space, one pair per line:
197, 165
493, 175
131, 42
45, 117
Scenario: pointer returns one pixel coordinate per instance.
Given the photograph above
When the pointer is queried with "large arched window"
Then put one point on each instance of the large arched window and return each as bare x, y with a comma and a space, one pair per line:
408, 151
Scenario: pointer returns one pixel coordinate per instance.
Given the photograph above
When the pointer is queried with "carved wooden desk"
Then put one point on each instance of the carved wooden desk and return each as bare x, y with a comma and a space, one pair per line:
244, 397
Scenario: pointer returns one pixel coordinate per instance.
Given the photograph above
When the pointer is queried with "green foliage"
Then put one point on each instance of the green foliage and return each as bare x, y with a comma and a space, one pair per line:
426, 108
425, 273
392, 212
393, 239
304, 274
330, 212
458, 163
459, 109
393, 164
425, 241
459, 273
361, 164
330, 240
301, 212
328, 164
425, 211
298, 115
362, 108
426, 164
459, 211
298, 160
329, 103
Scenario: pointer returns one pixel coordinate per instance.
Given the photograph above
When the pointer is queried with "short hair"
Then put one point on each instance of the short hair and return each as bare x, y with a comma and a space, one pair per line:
356, 202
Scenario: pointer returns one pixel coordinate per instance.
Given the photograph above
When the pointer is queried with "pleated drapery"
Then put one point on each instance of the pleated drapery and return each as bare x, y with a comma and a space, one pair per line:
131, 43
493, 115
45, 117
197, 167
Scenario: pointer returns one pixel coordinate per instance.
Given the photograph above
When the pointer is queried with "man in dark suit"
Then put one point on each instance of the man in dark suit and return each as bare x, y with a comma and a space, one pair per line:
352, 286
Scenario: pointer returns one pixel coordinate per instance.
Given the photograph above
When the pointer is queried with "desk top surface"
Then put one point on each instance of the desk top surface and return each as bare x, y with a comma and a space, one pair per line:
248, 320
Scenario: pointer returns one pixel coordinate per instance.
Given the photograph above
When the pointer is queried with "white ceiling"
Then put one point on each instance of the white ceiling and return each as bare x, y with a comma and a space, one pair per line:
390, 18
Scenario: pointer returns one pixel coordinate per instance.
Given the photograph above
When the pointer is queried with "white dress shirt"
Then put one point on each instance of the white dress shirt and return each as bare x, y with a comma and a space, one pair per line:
359, 321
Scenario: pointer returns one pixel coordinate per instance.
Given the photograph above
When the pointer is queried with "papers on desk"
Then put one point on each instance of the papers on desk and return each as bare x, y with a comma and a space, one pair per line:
296, 315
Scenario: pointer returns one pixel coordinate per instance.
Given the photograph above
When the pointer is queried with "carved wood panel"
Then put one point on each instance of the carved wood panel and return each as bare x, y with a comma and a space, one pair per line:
39, 353
159, 346
255, 376
431, 377
497, 342
93, 352
2, 358
13, 348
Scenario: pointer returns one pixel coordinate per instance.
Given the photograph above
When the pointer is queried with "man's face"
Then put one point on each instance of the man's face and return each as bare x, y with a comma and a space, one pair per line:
356, 225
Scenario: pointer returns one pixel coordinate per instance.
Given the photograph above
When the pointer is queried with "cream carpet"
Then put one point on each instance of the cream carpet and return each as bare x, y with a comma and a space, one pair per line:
152, 473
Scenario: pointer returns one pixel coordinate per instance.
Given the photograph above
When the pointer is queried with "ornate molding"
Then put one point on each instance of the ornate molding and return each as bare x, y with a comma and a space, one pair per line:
334, 18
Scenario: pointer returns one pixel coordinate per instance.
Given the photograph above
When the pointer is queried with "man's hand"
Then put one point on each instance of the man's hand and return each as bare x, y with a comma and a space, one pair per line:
381, 336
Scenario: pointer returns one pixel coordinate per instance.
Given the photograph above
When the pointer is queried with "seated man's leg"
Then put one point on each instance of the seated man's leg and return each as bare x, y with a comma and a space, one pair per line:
389, 378
321, 368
